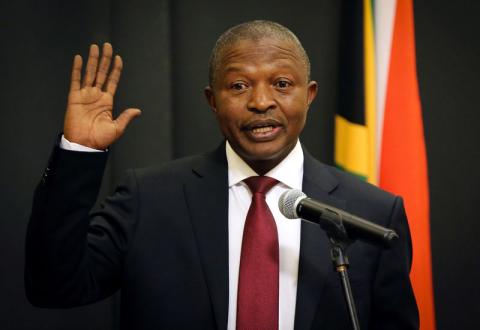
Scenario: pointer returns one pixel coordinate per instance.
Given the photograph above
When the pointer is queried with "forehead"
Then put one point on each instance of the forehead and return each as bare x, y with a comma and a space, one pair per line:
244, 53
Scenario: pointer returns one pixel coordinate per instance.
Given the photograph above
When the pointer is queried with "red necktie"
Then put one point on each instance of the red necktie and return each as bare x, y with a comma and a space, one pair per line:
257, 300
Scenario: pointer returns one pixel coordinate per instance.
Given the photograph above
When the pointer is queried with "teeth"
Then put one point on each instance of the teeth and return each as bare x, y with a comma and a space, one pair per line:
262, 129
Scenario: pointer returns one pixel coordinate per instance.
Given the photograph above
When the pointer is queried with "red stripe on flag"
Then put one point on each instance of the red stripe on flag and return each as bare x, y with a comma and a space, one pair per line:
403, 166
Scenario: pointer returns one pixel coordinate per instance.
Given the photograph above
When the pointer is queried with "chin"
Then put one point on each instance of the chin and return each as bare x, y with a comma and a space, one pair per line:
265, 153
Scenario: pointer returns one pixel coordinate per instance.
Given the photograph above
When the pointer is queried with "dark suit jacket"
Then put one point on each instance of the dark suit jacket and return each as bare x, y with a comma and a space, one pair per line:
162, 238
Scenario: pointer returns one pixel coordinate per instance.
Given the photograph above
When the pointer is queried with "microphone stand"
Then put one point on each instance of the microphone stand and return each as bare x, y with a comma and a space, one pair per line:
340, 263
339, 242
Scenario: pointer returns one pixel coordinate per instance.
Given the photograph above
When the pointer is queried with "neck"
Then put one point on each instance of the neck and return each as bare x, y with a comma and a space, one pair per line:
261, 167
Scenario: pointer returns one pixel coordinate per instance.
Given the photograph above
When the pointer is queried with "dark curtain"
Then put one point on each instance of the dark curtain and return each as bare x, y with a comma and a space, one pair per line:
165, 46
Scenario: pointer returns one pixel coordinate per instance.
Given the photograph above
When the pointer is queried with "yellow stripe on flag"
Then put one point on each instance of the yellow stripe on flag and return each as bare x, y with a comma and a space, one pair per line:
351, 146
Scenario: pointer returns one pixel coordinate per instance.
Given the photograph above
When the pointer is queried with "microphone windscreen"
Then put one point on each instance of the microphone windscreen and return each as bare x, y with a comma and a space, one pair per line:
288, 201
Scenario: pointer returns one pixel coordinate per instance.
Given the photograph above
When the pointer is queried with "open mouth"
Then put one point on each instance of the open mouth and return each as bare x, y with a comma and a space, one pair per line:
262, 130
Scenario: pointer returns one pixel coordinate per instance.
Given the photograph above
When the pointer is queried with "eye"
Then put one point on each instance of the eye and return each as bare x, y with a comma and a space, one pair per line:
238, 86
283, 84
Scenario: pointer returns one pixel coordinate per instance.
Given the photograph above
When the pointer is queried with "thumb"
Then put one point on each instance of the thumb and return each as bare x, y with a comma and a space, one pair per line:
125, 118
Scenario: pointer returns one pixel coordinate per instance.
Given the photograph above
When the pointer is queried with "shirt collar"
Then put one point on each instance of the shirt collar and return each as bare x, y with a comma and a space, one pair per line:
289, 171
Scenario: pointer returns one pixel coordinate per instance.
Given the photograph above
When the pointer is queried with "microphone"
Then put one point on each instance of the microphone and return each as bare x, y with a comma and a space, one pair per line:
295, 204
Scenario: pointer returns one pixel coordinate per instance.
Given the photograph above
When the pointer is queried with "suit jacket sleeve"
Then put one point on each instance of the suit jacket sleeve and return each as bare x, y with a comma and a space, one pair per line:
75, 256
394, 305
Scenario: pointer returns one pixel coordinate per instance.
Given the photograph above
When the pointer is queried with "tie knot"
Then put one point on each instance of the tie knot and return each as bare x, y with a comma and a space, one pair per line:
260, 184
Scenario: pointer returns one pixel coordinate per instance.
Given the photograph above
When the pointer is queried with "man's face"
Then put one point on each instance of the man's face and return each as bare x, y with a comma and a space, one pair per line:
260, 98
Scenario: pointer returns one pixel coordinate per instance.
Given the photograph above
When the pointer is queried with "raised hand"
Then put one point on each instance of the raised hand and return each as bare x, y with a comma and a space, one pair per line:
89, 120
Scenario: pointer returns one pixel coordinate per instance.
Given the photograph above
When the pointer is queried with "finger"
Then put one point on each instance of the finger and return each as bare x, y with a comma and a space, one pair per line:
114, 76
76, 73
104, 65
125, 118
91, 68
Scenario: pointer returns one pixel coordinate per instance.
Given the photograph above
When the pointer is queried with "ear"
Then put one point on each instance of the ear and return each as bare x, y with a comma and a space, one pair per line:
312, 90
210, 98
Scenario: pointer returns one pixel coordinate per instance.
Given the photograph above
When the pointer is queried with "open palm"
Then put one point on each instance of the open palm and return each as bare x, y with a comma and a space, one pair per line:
89, 119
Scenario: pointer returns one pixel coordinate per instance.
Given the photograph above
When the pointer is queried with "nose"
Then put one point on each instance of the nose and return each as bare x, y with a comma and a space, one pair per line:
261, 99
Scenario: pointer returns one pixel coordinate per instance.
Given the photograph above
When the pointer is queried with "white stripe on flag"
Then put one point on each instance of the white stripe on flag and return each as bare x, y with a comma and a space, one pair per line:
384, 18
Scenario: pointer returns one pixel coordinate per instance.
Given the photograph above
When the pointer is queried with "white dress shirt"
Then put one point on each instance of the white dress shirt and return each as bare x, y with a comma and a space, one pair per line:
67, 145
290, 175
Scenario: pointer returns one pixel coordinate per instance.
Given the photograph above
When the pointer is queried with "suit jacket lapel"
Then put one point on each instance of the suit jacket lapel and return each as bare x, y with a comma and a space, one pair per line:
207, 198
315, 263
206, 194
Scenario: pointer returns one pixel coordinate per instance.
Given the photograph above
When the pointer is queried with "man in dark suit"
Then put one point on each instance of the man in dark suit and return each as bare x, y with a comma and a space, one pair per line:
172, 237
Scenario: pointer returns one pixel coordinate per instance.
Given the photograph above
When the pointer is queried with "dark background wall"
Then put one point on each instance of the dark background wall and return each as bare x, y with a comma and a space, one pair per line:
165, 46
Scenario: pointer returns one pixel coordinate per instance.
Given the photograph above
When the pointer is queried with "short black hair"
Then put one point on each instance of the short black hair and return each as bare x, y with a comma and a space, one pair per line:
255, 31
